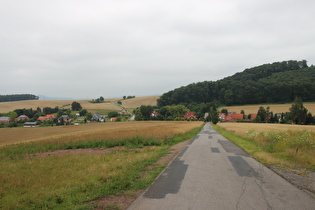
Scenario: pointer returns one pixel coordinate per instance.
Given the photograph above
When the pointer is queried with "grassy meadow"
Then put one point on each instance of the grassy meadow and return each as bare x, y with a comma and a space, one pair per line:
275, 108
73, 180
274, 144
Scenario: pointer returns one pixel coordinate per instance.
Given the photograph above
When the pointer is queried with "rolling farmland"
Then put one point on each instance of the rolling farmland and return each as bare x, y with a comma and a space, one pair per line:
91, 107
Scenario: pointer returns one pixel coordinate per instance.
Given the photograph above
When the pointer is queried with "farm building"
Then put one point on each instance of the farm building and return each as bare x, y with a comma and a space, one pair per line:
30, 124
5, 120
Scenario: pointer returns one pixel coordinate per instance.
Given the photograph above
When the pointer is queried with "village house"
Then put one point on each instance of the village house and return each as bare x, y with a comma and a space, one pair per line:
189, 116
123, 112
113, 119
65, 118
154, 114
234, 117
22, 117
5, 120
98, 117
47, 117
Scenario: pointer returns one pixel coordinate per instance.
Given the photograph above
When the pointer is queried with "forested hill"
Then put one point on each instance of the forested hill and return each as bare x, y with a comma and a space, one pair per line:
269, 83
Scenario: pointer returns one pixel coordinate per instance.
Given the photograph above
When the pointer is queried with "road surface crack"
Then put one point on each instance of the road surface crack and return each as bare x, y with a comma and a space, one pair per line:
242, 193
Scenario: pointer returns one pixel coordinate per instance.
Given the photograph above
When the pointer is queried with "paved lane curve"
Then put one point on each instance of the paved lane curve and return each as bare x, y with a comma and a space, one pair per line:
213, 173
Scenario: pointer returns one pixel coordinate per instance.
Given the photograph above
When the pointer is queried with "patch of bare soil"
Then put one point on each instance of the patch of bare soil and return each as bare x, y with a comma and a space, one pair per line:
124, 201
69, 152
301, 178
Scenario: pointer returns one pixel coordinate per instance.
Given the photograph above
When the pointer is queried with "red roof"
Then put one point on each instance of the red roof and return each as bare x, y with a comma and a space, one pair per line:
47, 117
189, 115
232, 117
253, 116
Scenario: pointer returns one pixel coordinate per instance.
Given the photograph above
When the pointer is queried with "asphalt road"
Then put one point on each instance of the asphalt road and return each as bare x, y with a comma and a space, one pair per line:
213, 173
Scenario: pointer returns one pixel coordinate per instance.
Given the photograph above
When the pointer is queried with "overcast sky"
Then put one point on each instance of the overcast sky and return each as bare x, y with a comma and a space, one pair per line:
111, 48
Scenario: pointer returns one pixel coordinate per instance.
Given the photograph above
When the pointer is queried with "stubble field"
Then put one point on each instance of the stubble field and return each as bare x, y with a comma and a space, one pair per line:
91, 107
113, 130
275, 108
240, 128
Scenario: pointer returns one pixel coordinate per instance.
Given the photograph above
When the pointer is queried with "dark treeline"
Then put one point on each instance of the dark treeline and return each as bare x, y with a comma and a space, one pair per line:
269, 83
18, 97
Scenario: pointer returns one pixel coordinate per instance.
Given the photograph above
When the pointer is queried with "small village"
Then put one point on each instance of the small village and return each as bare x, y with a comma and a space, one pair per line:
97, 117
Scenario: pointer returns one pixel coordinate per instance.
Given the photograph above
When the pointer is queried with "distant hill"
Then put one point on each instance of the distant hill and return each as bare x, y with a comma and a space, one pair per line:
279, 82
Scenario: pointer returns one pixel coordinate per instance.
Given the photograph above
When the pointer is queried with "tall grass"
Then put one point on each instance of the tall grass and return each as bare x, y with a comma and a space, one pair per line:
71, 181
290, 148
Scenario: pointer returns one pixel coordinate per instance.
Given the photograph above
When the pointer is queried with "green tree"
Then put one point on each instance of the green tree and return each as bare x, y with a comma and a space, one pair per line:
138, 114
224, 111
101, 99
146, 111
112, 114
88, 116
83, 112
298, 113
214, 115
263, 115
76, 106
243, 113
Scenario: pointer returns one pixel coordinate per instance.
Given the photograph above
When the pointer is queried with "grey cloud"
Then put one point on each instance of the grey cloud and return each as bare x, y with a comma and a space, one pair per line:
144, 47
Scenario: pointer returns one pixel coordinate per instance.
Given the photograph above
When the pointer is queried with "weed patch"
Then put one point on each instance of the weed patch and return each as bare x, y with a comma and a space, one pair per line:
293, 148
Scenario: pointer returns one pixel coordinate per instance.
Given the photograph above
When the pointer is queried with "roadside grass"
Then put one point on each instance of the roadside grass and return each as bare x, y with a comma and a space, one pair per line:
72, 181
291, 148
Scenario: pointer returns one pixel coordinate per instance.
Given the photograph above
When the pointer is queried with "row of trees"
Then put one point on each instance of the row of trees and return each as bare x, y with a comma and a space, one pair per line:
164, 113
270, 83
18, 97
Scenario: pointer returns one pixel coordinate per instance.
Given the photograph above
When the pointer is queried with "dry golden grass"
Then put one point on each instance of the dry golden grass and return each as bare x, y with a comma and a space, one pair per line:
115, 130
275, 108
240, 128
137, 102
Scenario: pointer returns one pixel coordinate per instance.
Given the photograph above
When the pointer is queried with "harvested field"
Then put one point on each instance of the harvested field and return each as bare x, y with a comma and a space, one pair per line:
114, 130
240, 128
10, 106
137, 102
275, 108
